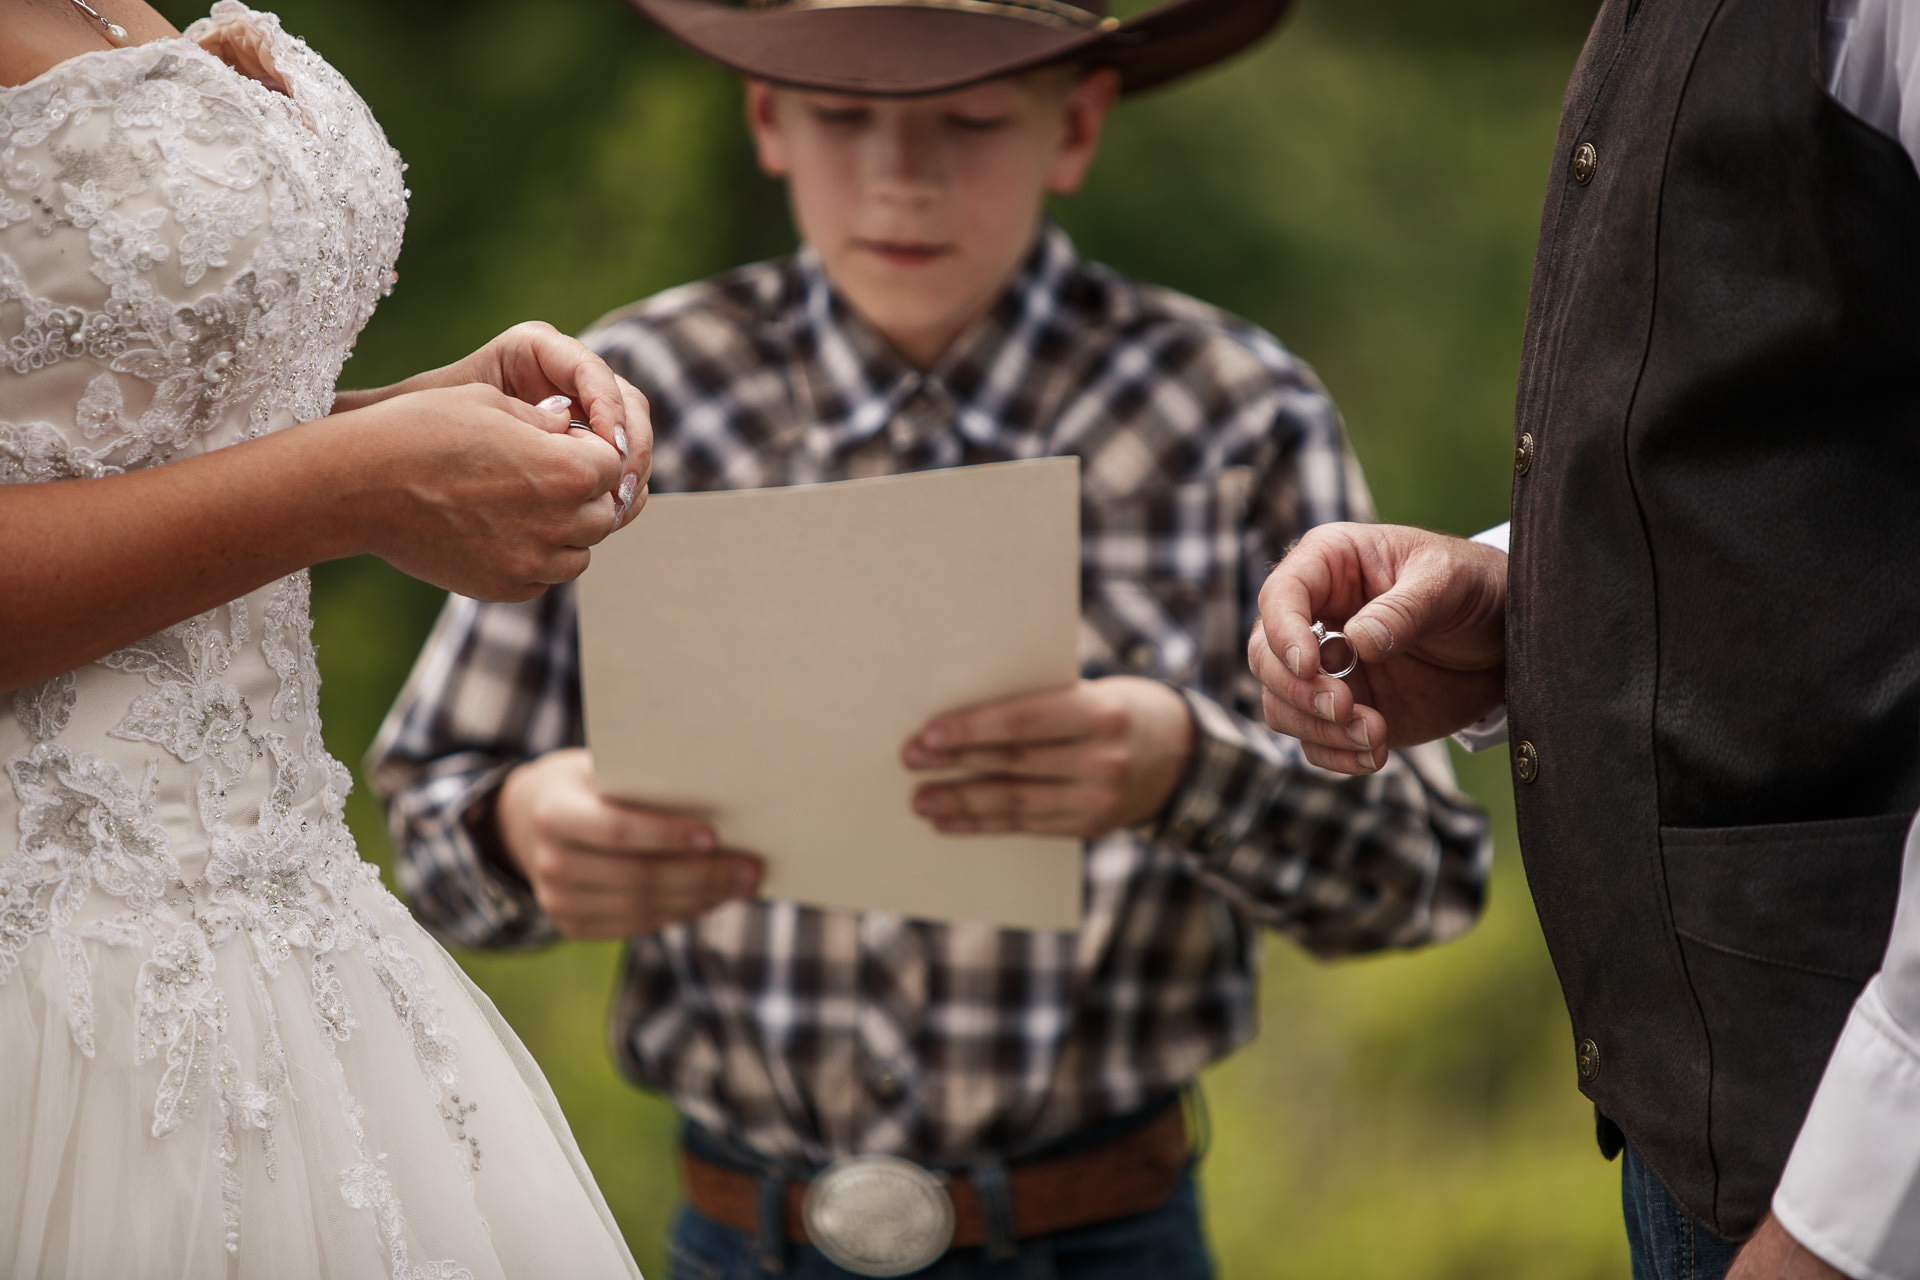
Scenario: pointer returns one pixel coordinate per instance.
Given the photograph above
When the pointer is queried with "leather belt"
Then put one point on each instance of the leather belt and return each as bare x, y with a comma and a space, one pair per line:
1134, 1173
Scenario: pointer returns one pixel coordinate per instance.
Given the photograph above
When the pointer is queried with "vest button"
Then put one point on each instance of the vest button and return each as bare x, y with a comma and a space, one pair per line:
1587, 1058
1526, 762
1585, 163
1523, 454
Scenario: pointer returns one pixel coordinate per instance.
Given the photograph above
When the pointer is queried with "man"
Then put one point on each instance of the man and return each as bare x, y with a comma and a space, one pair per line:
934, 318
1709, 632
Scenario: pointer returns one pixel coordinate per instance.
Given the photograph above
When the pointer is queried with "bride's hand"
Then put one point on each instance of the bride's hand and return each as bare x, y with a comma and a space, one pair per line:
533, 361
476, 490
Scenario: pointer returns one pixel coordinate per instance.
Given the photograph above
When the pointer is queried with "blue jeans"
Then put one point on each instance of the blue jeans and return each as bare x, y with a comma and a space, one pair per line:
1163, 1244
1666, 1243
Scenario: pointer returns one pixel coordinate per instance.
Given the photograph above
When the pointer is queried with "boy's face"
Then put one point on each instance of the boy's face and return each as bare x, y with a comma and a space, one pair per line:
922, 208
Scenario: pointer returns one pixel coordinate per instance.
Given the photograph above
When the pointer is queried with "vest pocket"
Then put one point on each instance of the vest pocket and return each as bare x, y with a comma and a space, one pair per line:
1779, 926
1814, 896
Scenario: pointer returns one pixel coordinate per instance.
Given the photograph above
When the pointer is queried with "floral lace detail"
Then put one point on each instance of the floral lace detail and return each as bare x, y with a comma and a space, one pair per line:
229, 243
330, 1010
191, 711
179, 1010
31, 452
81, 828
44, 710
367, 1186
240, 244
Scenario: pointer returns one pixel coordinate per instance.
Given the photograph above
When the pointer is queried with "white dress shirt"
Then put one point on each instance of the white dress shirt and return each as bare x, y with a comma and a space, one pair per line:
1851, 1190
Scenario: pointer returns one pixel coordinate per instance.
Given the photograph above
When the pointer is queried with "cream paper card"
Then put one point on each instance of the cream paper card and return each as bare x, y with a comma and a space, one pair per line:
758, 657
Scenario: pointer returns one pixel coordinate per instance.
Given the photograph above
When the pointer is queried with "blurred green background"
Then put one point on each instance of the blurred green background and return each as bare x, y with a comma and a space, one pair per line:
1367, 186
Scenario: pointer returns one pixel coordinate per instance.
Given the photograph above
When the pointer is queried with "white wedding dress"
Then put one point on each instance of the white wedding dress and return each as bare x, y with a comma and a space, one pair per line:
225, 1049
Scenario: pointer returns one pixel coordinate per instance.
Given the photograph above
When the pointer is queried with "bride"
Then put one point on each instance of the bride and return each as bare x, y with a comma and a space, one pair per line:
225, 1050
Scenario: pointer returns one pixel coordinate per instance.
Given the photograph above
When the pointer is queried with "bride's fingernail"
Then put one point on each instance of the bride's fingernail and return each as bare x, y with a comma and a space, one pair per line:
620, 440
629, 485
555, 404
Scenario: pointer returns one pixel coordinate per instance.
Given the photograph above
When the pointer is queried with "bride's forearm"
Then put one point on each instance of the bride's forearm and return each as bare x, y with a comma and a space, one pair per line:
465, 487
91, 565
348, 401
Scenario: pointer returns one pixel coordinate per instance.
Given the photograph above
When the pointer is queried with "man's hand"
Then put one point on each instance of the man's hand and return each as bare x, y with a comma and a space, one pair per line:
1426, 616
1773, 1254
607, 870
1078, 762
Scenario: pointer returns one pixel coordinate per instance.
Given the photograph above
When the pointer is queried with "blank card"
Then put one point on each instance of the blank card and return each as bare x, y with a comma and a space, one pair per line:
758, 658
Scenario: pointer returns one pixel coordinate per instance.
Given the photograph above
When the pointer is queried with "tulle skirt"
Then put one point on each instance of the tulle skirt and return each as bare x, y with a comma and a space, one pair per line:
310, 1139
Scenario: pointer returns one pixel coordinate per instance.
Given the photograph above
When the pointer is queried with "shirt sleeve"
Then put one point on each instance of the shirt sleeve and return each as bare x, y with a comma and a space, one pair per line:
1873, 61
1491, 729
495, 685
1339, 864
1851, 1190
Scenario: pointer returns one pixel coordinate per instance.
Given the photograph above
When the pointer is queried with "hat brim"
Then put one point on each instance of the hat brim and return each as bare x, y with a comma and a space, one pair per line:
887, 50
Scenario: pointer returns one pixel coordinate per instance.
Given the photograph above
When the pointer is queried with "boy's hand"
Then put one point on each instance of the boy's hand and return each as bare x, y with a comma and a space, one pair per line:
606, 870
1079, 762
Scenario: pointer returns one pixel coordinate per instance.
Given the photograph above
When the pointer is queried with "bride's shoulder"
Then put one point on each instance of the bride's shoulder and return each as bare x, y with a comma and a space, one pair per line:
234, 82
232, 54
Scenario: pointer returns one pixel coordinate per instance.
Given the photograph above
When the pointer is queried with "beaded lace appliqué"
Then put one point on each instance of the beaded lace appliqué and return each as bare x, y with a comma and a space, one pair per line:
235, 240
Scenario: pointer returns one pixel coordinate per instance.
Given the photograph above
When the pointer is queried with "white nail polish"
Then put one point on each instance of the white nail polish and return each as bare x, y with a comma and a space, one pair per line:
629, 485
620, 440
555, 404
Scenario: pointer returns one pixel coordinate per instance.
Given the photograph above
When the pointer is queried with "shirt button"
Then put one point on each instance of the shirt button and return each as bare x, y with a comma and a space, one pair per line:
886, 1085
1526, 762
1587, 1059
1141, 657
1523, 454
1585, 163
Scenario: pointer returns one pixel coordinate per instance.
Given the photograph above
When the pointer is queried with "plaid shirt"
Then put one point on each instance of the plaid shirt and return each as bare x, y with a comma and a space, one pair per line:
805, 1034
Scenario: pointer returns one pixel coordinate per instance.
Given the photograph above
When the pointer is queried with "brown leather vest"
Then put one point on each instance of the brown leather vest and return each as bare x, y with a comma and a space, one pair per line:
1714, 617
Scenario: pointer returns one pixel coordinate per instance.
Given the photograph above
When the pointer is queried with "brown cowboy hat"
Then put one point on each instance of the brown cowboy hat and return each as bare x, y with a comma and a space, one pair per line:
890, 48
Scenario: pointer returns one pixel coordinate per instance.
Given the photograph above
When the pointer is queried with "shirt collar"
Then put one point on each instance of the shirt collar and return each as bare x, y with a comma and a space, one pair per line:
851, 383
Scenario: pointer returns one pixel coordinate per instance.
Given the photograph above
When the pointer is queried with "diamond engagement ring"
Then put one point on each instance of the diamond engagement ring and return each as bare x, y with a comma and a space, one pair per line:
1325, 636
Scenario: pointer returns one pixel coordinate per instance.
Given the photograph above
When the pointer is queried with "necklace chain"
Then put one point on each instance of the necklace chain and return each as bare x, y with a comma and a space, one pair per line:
115, 31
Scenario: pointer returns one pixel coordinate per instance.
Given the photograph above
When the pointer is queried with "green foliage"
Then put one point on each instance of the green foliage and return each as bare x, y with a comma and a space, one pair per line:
1367, 186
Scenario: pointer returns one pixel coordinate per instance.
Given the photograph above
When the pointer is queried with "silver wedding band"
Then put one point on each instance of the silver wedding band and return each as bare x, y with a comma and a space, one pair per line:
1324, 636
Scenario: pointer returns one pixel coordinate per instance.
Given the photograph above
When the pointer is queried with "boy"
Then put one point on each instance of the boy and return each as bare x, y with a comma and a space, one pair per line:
934, 318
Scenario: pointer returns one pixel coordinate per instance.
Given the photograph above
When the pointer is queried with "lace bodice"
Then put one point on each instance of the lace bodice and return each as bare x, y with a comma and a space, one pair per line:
186, 257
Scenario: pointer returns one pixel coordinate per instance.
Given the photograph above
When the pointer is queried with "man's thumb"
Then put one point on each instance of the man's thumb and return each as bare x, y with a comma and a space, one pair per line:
1387, 624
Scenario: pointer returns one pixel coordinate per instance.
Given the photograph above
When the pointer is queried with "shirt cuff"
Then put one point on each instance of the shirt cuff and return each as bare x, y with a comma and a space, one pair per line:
453, 869
1219, 800
1851, 1191
1488, 731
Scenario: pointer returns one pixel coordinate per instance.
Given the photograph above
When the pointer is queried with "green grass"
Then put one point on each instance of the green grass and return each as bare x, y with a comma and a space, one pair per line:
1368, 187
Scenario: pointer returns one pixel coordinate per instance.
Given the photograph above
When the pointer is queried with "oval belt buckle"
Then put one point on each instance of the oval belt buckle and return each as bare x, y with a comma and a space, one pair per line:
1326, 637
878, 1215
